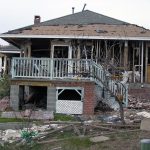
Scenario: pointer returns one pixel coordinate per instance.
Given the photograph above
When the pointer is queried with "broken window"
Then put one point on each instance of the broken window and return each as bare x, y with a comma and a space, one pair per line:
70, 94
60, 51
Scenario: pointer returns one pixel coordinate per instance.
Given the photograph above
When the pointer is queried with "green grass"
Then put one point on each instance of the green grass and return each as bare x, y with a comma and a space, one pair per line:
4, 120
66, 134
62, 117
77, 144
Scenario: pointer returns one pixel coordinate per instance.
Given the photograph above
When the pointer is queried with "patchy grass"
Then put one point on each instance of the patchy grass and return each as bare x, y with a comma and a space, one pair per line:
66, 134
77, 144
4, 120
118, 141
62, 117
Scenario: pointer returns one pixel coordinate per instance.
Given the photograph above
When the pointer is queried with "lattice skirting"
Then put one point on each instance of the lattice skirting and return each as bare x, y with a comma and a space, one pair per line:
69, 107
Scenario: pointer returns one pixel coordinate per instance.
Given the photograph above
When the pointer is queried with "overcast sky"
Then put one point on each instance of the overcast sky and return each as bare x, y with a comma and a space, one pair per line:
19, 13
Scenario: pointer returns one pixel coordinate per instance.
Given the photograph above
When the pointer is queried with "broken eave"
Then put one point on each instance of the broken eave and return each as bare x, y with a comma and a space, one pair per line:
128, 38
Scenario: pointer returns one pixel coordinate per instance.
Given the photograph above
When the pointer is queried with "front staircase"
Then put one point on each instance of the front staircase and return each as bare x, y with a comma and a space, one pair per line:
109, 88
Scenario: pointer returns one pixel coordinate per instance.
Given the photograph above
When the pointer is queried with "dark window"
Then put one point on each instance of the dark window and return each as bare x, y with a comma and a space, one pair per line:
61, 52
69, 94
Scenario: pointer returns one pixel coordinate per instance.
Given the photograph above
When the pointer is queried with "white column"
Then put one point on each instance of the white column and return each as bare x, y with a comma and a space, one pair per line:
70, 66
5, 63
142, 62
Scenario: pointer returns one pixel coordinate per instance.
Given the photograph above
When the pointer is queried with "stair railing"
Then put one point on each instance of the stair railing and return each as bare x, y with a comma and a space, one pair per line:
103, 78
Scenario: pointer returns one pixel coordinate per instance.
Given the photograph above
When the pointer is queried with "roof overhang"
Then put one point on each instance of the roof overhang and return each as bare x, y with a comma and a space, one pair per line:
10, 52
3, 36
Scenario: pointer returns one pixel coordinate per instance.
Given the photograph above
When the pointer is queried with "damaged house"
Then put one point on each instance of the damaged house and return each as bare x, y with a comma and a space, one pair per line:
70, 63
6, 54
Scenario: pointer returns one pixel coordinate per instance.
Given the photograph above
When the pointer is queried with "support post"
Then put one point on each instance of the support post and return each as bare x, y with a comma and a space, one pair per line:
142, 62
146, 63
29, 49
126, 54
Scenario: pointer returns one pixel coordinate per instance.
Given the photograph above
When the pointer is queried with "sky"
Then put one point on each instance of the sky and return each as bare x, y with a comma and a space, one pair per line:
19, 13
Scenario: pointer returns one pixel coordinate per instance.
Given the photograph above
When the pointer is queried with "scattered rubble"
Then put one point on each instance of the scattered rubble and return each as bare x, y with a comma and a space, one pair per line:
11, 136
98, 126
101, 106
39, 114
109, 118
99, 139
135, 102
144, 114
145, 125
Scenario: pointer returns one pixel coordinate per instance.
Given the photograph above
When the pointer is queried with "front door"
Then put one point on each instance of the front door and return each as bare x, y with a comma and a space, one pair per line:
62, 61
61, 51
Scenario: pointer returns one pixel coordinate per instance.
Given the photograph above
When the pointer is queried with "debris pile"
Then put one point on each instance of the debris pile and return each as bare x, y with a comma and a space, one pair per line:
138, 103
26, 134
101, 106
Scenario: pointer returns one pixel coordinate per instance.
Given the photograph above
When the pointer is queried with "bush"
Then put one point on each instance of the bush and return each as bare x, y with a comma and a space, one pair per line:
4, 86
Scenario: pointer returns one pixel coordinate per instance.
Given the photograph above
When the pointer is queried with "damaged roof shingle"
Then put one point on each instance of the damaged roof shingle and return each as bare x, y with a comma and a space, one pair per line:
85, 23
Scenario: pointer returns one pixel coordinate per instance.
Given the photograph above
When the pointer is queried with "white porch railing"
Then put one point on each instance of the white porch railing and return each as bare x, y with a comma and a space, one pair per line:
47, 68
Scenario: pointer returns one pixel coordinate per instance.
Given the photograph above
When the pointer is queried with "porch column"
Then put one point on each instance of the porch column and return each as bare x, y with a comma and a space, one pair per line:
126, 54
23, 51
70, 67
1, 66
26, 88
5, 64
78, 52
146, 63
29, 49
51, 99
142, 52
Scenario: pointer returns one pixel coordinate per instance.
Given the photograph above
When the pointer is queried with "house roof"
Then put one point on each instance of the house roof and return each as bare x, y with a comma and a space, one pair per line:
82, 24
81, 18
9, 49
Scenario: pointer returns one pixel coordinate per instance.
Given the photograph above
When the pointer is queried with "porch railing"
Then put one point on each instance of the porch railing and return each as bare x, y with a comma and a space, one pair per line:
114, 87
47, 68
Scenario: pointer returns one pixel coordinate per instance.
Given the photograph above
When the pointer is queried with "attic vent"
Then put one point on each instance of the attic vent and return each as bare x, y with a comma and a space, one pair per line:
101, 31
37, 19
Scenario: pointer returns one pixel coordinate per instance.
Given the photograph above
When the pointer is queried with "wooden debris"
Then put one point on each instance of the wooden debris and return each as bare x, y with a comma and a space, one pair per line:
104, 128
76, 130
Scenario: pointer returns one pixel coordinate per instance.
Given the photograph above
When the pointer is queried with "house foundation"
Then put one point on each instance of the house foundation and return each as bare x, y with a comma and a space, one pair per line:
78, 97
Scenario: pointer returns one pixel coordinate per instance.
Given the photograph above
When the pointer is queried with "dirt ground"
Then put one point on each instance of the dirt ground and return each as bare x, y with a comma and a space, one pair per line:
119, 141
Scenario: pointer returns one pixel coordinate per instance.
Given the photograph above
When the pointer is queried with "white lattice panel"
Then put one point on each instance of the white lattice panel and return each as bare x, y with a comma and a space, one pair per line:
69, 107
